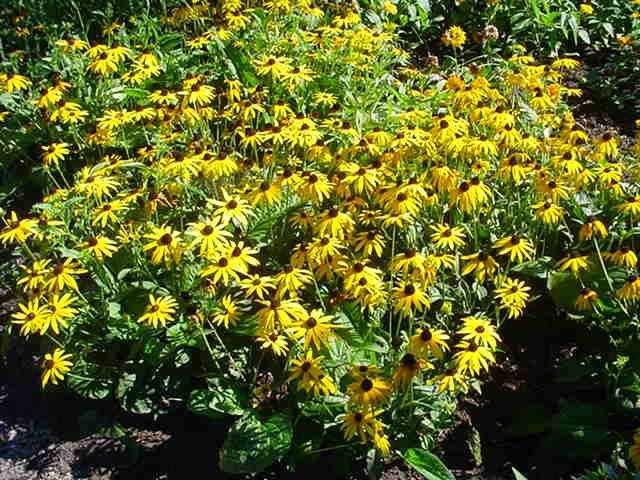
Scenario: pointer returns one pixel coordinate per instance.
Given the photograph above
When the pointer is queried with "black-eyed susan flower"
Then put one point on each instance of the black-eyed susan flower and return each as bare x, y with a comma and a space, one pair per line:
63, 275
59, 311
518, 248
165, 244
623, 257
369, 390
481, 264
100, 247
159, 311
480, 331
30, 316
587, 299
630, 290
16, 230
228, 314
447, 237
575, 262
429, 341
55, 366
473, 358
315, 330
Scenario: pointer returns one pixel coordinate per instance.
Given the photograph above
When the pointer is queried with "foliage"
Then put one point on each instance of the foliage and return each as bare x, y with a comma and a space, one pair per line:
262, 212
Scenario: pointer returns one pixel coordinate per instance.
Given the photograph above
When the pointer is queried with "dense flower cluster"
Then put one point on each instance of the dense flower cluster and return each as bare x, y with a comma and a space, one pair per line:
303, 203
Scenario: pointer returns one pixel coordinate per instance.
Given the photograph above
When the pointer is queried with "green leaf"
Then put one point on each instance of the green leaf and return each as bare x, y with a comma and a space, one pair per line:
215, 403
564, 289
427, 464
253, 445
88, 382
517, 475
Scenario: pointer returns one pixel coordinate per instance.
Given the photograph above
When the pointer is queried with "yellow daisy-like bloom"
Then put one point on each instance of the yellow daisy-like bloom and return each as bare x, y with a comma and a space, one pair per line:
575, 262
159, 311
591, 228
481, 264
55, 366
258, 286
273, 341
209, 236
165, 244
59, 311
310, 376
451, 380
62, 275
410, 297
429, 340
623, 257
229, 314
316, 330
101, 247
368, 391
52, 154
407, 369
454, 37
31, 316
276, 313
479, 331
548, 212
519, 249
586, 299
513, 295
232, 209
16, 83
360, 423
222, 271
630, 291
473, 358
35, 275
16, 230
447, 237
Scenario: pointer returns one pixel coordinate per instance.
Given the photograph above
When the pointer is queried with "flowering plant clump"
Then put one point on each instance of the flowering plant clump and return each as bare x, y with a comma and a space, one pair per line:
264, 212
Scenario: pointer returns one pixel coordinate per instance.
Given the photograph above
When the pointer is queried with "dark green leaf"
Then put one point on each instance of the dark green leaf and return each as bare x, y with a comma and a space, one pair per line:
253, 445
427, 464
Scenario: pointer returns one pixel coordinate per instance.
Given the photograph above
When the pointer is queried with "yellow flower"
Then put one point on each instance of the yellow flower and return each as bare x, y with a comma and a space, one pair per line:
454, 37
586, 9
53, 153
17, 231
450, 381
209, 236
310, 376
473, 358
229, 314
15, 83
159, 311
59, 310
479, 331
519, 249
575, 262
165, 244
62, 275
447, 237
55, 365
481, 264
316, 329
31, 316
410, 297
101, 247
368, 391
273, 341
586, 299
429, 340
